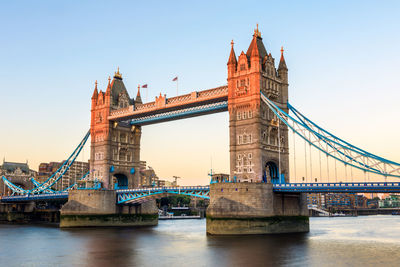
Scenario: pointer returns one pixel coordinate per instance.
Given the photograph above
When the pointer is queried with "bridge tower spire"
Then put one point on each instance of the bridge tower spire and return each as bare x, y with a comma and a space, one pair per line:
138, 97
115, 147
232, 62
258, 143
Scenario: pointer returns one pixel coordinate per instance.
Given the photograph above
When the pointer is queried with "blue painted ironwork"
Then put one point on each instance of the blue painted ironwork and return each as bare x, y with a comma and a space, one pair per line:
137, 195
36, 183
370, 187
332, 146
96, 185
181, 113
54, 178
29, 197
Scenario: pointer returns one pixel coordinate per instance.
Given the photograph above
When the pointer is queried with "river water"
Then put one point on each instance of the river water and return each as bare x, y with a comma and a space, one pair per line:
346, 241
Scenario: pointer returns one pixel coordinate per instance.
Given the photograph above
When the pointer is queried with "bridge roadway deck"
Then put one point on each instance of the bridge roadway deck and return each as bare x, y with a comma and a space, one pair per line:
125, 195
179, 107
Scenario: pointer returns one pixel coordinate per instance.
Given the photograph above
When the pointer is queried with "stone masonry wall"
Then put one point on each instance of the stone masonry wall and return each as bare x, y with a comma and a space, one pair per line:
90, 202
230, 200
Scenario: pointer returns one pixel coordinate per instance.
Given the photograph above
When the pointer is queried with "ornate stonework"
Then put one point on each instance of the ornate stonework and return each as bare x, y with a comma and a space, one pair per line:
258, 143
115, 146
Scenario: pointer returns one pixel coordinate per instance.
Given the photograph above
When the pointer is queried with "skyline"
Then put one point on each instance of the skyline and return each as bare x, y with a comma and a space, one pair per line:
62, 82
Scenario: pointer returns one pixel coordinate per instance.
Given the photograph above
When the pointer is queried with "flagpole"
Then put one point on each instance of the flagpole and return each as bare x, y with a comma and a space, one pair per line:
177, 86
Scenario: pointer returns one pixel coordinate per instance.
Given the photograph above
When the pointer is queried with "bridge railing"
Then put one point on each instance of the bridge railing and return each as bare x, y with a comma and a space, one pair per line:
29, 197
360, 184
164, 188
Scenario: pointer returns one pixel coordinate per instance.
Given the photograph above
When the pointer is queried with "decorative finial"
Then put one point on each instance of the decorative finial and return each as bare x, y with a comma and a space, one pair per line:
257, 33
232, 43
282, 51
95, 83
109, 79
118, 74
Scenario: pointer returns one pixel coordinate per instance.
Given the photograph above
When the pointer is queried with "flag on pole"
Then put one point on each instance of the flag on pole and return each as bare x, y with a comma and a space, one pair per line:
144, 85
176, 80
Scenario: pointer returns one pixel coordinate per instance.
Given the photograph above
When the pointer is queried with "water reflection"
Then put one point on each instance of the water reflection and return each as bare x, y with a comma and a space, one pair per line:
361, 241
106, 246
257, 250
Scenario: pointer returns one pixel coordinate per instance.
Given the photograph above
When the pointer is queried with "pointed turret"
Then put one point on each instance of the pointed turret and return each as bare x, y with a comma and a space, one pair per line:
256, 47
283, 73
232, 55
138, 98
95, 92
232, 62
256, 51
282, 63
108, 91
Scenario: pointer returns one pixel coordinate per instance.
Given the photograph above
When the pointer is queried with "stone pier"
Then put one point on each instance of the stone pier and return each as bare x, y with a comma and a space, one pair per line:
88, 208
253, 208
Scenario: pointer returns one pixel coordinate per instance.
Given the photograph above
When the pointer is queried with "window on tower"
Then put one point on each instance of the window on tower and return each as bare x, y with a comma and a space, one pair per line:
123, 138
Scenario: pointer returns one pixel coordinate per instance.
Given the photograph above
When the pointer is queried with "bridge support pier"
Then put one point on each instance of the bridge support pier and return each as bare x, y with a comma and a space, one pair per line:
97, 208
253, 208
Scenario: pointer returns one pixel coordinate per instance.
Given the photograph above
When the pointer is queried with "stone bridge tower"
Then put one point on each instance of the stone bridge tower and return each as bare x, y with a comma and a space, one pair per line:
258, 142
115, 147
258, 152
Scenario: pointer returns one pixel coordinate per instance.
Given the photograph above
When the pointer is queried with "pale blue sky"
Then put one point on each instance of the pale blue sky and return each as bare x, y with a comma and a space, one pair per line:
343, 59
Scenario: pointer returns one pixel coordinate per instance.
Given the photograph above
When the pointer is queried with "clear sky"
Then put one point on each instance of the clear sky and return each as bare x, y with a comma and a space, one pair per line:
343, 59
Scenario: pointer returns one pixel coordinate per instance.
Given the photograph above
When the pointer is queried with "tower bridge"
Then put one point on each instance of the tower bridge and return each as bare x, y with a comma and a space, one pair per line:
258, 197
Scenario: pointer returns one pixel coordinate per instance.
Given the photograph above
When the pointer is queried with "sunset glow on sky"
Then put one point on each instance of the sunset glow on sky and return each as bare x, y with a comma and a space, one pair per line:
343, 61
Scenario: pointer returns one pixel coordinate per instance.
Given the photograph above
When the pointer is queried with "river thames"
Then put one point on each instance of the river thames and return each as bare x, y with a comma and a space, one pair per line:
345, 241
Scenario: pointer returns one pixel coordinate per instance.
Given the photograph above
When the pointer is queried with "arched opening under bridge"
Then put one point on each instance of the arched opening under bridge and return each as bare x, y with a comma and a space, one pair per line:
271, 172
121, 181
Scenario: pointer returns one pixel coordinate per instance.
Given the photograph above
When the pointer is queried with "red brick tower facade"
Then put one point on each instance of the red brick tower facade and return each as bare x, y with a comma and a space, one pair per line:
258, 142
115, 147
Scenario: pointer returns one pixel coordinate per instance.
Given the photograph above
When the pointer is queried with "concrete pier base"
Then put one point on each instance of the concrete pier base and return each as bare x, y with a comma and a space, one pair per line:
97, 208
253, 208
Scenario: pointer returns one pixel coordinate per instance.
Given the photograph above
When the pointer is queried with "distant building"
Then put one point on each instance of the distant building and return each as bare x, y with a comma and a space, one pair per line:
344, 201
392, 201
17, 173
76, 171
46, 170
316, 199
347, 201
148, 176
339, 200
165, 183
